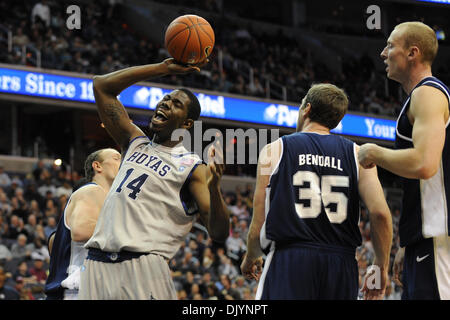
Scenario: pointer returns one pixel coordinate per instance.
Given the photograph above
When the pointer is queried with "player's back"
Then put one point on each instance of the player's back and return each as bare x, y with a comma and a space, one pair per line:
66, 256
313, 194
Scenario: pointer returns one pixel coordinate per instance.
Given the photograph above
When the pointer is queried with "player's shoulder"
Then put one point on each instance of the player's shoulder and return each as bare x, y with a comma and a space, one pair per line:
90, 190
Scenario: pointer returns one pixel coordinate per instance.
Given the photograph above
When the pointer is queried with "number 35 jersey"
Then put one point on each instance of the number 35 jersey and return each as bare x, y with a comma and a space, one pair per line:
148, 208
313, 195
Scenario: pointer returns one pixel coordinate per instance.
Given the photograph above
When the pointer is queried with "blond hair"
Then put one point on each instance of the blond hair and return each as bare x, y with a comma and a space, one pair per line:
418, 34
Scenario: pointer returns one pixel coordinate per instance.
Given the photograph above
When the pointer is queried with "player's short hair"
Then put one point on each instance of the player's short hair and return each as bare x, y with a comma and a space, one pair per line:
194, 106
89, 172
418, 34
328, 104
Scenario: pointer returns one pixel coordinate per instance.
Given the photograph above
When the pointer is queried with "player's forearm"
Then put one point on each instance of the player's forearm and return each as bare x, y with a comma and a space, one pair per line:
408, 163
381, 236
115, 82
253, 245
219, 220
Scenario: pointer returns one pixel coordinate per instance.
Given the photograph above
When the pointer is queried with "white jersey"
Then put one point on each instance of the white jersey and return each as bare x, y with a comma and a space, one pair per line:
148, 208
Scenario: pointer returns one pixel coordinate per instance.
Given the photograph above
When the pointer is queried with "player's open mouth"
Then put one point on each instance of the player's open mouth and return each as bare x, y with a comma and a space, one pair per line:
160, 116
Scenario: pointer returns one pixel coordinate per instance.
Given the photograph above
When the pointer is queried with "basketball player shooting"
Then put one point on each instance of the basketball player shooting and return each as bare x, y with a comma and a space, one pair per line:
159, 192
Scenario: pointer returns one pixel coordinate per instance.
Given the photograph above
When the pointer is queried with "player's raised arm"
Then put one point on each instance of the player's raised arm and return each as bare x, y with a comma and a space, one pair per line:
372, 195
108, 87
429, 111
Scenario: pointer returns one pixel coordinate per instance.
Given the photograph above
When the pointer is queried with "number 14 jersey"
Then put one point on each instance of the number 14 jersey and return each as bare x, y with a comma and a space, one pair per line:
312, 194
149, 207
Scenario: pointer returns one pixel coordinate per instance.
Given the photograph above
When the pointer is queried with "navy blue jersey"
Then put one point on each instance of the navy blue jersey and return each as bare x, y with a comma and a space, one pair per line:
313, 195
59, 259
425, 211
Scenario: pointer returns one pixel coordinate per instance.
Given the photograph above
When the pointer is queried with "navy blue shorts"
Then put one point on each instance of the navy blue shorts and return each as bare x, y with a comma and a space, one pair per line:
419, 272
309, 272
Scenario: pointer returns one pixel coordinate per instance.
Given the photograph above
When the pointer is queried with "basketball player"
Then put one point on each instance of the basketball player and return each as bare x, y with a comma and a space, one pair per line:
306, 210
160, 190
77, 225
422, 158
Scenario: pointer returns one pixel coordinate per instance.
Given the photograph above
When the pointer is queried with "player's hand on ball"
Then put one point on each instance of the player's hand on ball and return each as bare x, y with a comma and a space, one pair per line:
252, 268
366, 155
176, 68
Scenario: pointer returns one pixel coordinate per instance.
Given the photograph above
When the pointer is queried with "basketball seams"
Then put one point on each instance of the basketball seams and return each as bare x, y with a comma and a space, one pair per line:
205, 32
185, 45
187, 27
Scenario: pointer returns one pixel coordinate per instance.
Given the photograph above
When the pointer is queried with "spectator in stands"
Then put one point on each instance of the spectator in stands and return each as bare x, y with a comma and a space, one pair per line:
22, 272
64, 189
235, 246
19, 208
240, 285
5, 180
20, 39
41, 11
194, 290
31, 194
3, 226
5, 254
189, 263
51, 226
38, 270
227, 289
208, 259
240, 208
40, 251
31, 225
242, 228
6, 292
20, 249
14, 228
228, 268
40, 233
35, 210
39, 168
50, 209
47, 187
5, 206
24, 292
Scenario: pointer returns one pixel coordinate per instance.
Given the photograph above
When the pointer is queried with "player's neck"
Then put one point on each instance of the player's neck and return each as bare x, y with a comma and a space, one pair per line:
102, 182
415, 77
315, 128
168, 142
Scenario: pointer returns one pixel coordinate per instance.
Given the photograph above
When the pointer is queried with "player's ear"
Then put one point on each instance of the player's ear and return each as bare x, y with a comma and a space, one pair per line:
307, 109
413, 52
188, 123
97, 166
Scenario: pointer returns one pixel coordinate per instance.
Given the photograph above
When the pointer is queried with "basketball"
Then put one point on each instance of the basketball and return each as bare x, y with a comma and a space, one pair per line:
189, 39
